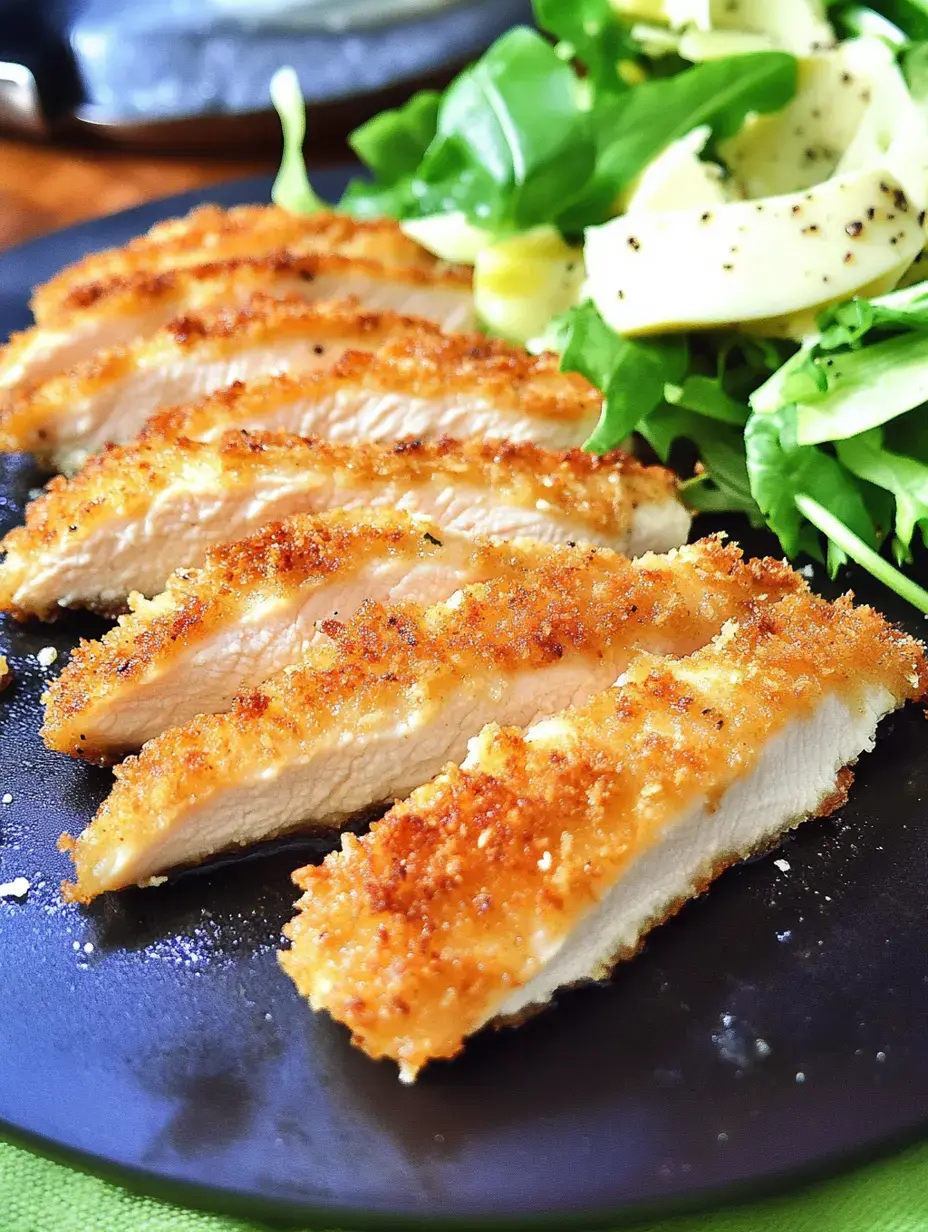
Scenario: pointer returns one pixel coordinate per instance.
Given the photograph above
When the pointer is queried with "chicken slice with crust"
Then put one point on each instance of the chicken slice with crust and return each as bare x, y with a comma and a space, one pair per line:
424, 385
547, 856
108, 398
136, 513
398, 692
210, 234
250, 610
104, 315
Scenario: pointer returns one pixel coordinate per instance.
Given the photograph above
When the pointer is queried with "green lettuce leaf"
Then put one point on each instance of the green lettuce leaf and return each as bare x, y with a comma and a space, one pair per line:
779, 469
631, 372
392, 146
631, 129
868, 365
909, 16
723, 485
906, 478
593, 32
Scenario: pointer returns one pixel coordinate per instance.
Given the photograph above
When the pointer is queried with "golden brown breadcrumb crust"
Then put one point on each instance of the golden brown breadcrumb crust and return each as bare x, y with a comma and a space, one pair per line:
419, 365
387, 660
27, 416
210, 234
284, 557
416, 933
122, 482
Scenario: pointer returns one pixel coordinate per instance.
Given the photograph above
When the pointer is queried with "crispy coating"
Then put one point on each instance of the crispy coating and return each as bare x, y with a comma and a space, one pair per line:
404, 659
123, 483
28, 418
416, 933
211, 234
279, 560
426, 365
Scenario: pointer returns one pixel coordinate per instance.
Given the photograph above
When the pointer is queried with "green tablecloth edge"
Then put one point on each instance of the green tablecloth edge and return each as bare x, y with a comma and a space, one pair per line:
39, 1194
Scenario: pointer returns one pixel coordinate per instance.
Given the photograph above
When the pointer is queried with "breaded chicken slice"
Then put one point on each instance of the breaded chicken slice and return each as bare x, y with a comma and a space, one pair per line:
399, 691
108, 398
423, 385
114, 313
547, 856
250, 610
136, 513
210, 234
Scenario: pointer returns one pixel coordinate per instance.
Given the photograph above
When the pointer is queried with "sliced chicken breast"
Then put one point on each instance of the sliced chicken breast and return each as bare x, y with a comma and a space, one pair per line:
114, 313
397, 694
252, 609
418, 385
108, 398
546, 857
210, 234
136, 513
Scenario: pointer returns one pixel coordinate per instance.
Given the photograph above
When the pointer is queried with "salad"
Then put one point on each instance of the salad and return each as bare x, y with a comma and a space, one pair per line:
715, 210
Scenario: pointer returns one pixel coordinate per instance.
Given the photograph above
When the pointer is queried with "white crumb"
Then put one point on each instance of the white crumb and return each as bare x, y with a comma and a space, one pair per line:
782, 865
6, 798
17, 888
88, 947
47, 656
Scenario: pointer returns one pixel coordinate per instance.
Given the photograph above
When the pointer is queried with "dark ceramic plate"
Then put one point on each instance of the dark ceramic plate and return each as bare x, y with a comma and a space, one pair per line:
775, 1029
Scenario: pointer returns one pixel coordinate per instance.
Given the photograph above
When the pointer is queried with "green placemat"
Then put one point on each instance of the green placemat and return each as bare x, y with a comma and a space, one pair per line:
891, 1196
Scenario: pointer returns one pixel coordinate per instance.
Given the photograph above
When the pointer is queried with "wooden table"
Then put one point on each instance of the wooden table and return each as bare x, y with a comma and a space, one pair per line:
43, 187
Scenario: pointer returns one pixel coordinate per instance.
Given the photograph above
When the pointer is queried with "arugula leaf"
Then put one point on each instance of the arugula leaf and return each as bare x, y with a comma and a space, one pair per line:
847, 323
780, 468
292, 190
631, 372
513, 142
707, 396
723, 485
906, 478
865, 388
868, 365
592, 31
859, 21
631, 129
852, 547
392, 143
392, 146
909, 16
914, 61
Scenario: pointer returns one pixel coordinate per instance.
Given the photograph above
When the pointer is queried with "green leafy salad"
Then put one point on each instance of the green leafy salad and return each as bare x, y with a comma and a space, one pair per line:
715, 210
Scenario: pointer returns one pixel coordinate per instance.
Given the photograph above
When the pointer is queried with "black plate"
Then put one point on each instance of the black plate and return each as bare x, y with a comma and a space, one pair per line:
777, 1027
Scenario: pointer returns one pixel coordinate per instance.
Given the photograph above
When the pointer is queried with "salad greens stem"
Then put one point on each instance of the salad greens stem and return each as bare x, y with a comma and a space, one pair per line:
858, 551
292, 190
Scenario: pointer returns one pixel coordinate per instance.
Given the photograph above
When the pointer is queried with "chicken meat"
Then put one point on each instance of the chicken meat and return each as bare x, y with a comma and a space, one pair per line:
544, 859
398, 692
136, 513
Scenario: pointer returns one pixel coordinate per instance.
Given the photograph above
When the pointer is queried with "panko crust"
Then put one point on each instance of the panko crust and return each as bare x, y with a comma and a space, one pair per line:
211, 234
281, 558
414, 934
593, 603
420, 365
213, 334
122, 481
